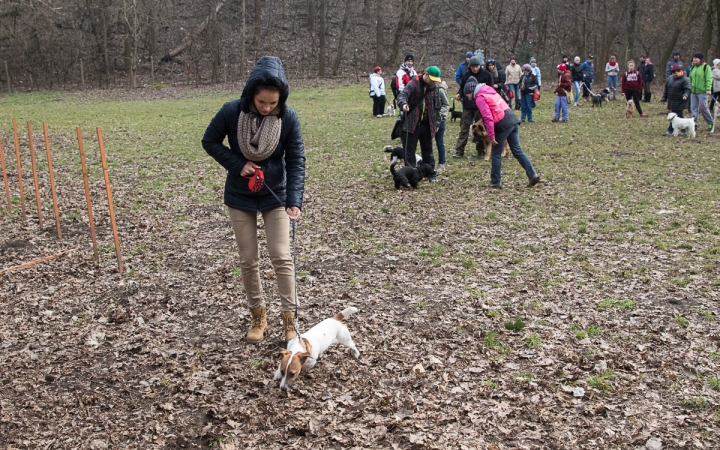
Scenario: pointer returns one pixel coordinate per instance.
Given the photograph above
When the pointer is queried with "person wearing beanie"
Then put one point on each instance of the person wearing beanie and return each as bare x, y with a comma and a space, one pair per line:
612, 68
588, 69
470, 113
512, 80
577, 78
674, 60
631, 86
422, 119
648, 75
536, 71
463, 66
377, 92
528, 83
405, 73
564, 86
502, 126
701, 81
676, 94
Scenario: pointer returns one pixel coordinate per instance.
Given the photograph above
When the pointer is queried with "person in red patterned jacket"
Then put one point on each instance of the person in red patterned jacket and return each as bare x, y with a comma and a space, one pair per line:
632, 85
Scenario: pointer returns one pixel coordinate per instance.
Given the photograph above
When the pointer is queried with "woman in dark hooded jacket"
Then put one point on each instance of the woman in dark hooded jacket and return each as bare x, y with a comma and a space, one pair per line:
265, 161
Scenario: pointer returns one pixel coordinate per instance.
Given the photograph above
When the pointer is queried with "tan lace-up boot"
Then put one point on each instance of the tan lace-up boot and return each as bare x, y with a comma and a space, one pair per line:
288, 318
259, 323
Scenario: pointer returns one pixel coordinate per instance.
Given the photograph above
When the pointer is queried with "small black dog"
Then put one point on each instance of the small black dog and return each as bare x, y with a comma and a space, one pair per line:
598, 99
410, 176
454, 115
398, 153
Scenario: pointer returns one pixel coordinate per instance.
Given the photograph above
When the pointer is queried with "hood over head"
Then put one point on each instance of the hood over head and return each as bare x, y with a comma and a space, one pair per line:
268, 71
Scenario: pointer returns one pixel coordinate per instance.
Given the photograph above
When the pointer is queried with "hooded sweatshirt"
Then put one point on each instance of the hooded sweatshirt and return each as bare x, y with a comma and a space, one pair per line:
496, 114
631, 81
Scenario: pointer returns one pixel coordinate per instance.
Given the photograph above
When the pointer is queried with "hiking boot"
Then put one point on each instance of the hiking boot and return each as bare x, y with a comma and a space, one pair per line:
555, 120
533, 181
288, 318
564, 121
259, 323
458, 155
494, 185
441, 168
433, 179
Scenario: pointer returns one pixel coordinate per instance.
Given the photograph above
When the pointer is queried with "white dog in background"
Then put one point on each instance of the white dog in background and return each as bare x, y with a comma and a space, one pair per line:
390, 110
681, 124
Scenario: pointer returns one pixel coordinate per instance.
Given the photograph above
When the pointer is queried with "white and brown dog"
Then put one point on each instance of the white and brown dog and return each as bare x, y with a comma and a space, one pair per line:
304, 350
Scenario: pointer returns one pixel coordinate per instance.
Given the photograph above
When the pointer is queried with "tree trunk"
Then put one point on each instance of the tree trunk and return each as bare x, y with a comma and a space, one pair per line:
708, 31
187, 40
242, 43
257, 23
380, 33
341, 39
629, 51
399, 32
152, 34
671, 45
323, 41
717, 25
312, 13
214, 46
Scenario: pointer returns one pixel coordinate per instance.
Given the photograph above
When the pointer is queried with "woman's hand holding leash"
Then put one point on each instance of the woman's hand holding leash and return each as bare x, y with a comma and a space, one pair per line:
294, 212
494, 142
406, 107
248, 169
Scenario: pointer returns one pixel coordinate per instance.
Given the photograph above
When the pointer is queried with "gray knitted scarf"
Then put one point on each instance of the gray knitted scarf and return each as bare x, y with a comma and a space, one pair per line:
258, 136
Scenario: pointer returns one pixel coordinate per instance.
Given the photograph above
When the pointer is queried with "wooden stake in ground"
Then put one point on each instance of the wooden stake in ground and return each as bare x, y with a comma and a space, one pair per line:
7, 185
110, 202
87, 194
37, 261
19, 169
35, 177
52, 180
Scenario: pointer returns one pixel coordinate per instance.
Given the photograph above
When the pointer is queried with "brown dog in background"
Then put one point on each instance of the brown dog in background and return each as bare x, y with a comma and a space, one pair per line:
629, 109
479, 135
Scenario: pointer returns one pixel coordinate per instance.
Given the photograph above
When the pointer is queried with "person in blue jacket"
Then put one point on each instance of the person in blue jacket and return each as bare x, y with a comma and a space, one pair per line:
588, 70
265, 163
463, 66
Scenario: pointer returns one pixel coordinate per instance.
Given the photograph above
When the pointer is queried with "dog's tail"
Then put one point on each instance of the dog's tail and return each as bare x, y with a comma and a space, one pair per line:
392, 167
388, 149
347, 312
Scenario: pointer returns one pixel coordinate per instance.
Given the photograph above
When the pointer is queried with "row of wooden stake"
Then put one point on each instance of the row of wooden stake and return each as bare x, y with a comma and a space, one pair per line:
52, 186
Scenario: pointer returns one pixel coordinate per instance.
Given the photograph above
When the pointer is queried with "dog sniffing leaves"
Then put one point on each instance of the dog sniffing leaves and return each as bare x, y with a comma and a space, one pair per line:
479, 135
682, 124
398, 153
303, 351
411, 176
597, 99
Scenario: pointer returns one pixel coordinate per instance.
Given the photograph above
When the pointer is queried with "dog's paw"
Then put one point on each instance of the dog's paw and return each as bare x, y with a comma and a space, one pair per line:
278, 375
357, 354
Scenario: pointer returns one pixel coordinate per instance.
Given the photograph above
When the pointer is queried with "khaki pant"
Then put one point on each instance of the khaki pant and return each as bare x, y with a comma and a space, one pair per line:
468, 117
277, 230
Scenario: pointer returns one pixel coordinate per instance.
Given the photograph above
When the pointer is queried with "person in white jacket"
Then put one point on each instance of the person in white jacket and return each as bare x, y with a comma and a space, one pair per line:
612, 68
377, 92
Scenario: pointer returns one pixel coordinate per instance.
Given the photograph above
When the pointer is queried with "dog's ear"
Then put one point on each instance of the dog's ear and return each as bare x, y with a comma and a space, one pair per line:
284, 352
302, 357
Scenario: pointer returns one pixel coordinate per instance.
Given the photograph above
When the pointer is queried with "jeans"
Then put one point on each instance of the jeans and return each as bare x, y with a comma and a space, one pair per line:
526, 101
577, 85
423, 135
440, 142
635, 96
379, 105
277, 230
561, 104
512, 136
516, 90
612, 84
680, 115
468, 117
698, 104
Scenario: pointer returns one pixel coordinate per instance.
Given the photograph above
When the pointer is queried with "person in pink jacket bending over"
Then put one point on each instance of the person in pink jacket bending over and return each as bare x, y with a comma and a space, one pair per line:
501, 125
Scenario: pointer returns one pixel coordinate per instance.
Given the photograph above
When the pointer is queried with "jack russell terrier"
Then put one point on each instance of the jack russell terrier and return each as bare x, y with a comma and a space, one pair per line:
304, 350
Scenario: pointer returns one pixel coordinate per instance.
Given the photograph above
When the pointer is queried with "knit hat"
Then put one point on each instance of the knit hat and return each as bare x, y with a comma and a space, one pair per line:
562, 67
469, 54
716, 61
470, 85
675, 52
475, 61
512, 58
527, 66
532, 60
675, 68
409, 57
698, 55
433, 72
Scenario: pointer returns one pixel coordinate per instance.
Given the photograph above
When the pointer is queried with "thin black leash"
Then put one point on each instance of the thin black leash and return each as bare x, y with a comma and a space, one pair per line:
297, 303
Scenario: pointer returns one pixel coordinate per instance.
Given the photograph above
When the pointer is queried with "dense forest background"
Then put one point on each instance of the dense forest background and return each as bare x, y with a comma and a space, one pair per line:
69, 44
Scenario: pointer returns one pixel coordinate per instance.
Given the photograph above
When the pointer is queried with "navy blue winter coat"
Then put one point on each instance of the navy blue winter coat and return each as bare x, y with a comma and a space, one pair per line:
284, 169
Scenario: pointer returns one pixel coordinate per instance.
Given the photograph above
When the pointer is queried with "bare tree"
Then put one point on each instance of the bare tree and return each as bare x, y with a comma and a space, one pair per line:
323, 38
343, 34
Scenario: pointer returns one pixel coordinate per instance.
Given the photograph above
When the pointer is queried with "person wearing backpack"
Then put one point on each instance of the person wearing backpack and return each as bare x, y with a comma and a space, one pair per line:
701, 81
377, 92
405, 73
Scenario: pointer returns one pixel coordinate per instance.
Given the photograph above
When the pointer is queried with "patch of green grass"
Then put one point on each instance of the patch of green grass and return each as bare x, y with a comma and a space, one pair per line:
492, 313
515, 325
468, 262
680, 281
695, 403
616, 303
602, 381
681, 321
489, 384
421, 304
532, 340
708, 316
714, 382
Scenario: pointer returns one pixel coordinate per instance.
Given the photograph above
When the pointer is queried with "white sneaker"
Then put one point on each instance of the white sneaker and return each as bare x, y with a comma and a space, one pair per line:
379, 116
441, 168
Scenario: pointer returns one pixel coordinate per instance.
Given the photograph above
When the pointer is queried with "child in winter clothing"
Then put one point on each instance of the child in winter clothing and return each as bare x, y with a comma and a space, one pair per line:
632, 86
612, 68
564, 86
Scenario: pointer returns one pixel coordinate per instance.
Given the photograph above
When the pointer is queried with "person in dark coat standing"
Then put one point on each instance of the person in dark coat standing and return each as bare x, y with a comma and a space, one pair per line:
470, 112
265, 163
676, 94
420, 101
648, 74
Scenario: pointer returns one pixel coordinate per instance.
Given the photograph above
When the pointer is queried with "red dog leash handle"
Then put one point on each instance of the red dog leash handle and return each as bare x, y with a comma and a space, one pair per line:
256, 181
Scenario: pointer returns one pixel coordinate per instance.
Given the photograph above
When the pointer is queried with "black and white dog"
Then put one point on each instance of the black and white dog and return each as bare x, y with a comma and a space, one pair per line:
597, 99
398, 153
410, 176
